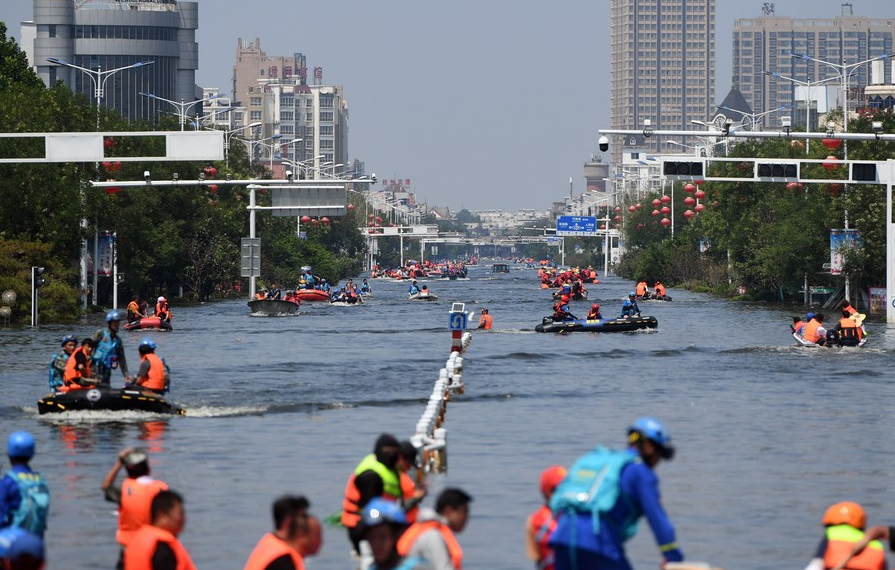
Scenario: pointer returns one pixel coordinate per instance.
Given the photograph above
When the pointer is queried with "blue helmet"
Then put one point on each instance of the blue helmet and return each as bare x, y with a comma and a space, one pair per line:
653, 430
113, 316
69, 338
379, 511
20, 445
809, 316
632, 294
17, 543
148, 342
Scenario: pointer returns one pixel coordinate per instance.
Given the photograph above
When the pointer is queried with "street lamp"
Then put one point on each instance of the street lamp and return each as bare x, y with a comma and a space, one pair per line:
753, 117
229, 134
807, 84
181, 107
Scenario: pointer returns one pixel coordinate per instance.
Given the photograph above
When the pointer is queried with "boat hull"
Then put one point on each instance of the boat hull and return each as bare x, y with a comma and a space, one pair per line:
103, 398
420, 297
832, 340
271, 308
148, 324
604, 325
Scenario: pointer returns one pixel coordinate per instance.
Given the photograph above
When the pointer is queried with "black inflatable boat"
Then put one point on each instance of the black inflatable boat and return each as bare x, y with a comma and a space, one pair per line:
548, 325
103, 398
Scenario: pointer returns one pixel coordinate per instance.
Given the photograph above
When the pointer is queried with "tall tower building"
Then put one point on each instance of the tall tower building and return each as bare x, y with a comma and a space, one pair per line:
662, 65
765, 44
106, 35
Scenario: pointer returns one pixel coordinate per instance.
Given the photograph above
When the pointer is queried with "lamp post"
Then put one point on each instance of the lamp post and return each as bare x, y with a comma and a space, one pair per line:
98, 77
251, 144
808, 85
754, 117
229, 134
181, 107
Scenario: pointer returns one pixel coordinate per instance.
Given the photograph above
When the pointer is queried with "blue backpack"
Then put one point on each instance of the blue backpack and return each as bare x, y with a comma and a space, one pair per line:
35, 507
592, 486
55, 377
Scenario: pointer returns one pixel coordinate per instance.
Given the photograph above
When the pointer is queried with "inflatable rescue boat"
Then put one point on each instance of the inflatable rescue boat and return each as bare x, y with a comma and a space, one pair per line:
105, 398
548, 325
148, 323
272, 308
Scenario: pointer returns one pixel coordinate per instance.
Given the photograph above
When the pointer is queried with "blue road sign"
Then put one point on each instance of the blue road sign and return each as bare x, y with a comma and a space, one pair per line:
576, 226
458, 321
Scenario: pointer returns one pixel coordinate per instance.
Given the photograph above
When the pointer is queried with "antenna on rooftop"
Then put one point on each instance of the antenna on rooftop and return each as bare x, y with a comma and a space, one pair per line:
849, 6
768, 9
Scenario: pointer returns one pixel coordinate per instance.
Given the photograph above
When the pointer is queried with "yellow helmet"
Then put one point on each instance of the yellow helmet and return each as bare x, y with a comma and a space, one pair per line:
846, 512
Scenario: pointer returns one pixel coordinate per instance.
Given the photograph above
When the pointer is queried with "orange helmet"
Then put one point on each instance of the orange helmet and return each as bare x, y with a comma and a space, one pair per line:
550, 478
595, 306
846, 512
564, 298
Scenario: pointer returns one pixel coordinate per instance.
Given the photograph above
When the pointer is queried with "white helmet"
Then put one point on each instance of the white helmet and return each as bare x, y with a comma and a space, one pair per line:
160, 299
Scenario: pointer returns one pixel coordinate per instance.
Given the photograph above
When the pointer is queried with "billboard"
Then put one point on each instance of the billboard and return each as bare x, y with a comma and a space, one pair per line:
841, 241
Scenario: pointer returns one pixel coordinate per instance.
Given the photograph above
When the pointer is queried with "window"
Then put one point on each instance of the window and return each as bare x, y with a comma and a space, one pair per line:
51, 30
326, 116
255, 116
326, 143
286, 115
326, 101
255, 101
326, 130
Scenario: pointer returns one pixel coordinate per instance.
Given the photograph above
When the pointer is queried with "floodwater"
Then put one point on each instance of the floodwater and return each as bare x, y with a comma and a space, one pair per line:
768, 434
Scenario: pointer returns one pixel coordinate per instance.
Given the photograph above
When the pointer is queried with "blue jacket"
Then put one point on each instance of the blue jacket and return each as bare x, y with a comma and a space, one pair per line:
10, 497
630, 307
639, 496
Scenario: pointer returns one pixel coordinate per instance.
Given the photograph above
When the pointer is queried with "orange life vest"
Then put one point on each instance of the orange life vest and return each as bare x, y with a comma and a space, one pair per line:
135, 509
391, 485
162, 311
486, 319
592, 274
810, 331
841, 539
408, 488
641, 288
541, 525
405, 543
72, 373
142, 545
268, 549
849, 323
851, 310
156, 375
660, 289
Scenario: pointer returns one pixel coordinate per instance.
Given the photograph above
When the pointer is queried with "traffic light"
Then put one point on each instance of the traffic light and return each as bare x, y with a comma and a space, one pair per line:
863, 172
36, 278
683, 170
777, 171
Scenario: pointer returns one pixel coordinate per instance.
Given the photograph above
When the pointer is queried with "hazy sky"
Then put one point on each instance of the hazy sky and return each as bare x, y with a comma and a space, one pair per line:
481, 103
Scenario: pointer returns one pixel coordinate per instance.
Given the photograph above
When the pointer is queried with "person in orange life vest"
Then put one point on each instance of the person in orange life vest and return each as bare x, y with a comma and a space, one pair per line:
876, 533
594, 313
485, 320
798, 324
375, 476
411, 496
561, 310
846, 306
641, 288
77, 370
844, 524
134, 495
659, 289
162, 310
814, 330
540, 524
296, 535
155, 545
432, 537
261, 295
848, 327
152, 374
133, 310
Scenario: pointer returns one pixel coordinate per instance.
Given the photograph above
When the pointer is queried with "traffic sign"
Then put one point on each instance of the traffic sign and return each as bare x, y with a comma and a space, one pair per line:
458, 321
576, 226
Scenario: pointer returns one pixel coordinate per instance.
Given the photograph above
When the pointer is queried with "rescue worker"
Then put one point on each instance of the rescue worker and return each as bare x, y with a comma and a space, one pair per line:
375, 476
134, 495
814, 330
846, 306
153, 373
876, 533
162, 310
561, 310
432, 537
848, 328
659, 290
485, 320
411, 496
296, 535
629, 307
797, 325
20, 550
133, 310
641, 289
594, 313
365, 288
541, 524
845, 524
575, 543
383, 523
60, 361
413, 288
109, 352
261, 295
155, 545
78, 372
24, 495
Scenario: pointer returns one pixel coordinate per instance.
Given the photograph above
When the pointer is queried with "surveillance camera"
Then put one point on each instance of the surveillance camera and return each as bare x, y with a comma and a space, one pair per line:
373, 177
288, 175
146, 175
604, 143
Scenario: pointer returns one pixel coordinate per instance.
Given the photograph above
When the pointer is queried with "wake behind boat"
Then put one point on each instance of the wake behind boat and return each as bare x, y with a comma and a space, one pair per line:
106, 398
272, 308
548, 325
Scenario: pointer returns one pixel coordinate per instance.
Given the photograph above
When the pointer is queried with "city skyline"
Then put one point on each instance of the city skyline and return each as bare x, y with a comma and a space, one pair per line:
484, 106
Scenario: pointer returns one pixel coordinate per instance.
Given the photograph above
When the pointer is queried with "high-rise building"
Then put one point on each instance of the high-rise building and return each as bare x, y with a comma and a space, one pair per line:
767, 44
104, 35
662, 65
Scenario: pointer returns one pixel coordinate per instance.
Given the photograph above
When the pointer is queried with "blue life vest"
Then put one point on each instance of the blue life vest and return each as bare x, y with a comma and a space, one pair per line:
55, 376
35, 506
106, 352
593, 486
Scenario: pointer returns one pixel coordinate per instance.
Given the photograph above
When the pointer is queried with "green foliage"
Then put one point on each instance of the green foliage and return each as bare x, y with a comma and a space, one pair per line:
58, 298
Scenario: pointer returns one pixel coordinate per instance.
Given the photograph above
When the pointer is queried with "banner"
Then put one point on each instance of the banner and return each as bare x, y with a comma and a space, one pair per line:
840, 242
105, 254
877, 300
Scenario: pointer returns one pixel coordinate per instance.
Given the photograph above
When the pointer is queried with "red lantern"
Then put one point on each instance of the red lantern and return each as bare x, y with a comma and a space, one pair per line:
656, 202
602, 226
834, 189
371, 216
109, 143
689, 200
112, 190
211, 171
700, 194
306, 219
638, 205
699, 182
665, 210
369, 225
618, 209
690, 188
315, 222
324, 220
213, 188
618, 218
831, 163
831, 144
689, 214
699, 207
378, 220
350, 207
666, 222
666, 199
116, 166
107, 165
655, 212
632, 209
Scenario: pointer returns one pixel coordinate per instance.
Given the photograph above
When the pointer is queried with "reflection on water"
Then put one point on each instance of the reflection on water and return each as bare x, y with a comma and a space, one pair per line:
768, 434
